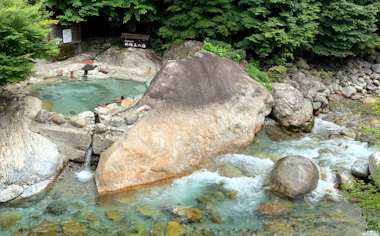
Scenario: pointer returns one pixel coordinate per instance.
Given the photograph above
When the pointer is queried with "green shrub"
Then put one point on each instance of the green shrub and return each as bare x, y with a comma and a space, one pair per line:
23, 31
262, 77
223, 49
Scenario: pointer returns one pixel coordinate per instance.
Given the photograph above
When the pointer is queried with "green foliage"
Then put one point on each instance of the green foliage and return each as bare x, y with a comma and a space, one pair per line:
347, 28
23, 31
368, 197
275, 28
198, 19
118, 44
262, 77
78, 11
223, 49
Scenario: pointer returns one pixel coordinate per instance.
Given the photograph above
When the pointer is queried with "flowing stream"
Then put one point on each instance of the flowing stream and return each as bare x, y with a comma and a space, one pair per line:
228, 204
86, 174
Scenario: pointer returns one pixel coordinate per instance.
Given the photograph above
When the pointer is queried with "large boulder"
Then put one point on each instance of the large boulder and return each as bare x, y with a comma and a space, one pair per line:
201, 107
182, 50
29, 162
294, 176
130, 63
292, 111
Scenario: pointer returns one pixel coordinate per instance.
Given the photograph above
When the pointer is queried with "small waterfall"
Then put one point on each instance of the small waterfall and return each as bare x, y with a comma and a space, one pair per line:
86, 174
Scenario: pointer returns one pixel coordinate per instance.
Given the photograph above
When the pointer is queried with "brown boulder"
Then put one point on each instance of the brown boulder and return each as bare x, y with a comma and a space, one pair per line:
188, 214
294, 176
201, 107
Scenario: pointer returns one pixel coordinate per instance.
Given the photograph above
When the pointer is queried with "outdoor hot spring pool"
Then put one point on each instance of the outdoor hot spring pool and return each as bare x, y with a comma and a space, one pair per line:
73, 97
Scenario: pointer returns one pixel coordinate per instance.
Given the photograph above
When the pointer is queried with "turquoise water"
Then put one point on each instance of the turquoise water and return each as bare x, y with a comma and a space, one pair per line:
228, 204
74, 97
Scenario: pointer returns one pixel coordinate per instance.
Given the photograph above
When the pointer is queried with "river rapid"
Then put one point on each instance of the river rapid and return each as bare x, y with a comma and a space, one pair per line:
229, 205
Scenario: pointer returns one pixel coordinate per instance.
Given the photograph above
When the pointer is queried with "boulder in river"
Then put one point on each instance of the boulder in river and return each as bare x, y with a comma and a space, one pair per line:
360, 168
201, 107
294, 176
29, 162
292, 111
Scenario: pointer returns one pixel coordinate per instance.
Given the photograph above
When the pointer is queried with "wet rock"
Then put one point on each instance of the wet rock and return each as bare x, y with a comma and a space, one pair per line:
274, 208
59, 119
7, 219
374, 159
277, 227
113, 215
206, 232
229, 171
42, 116
345, 178
238, 101
47, 228
294, 176
369, 100
274, 156
231, 194
347, 133
213, 214
73, 228
360, 168
77, 122
348, 91
174, 229
316, 105
149, 211
376, 68
56, 208
188, 214
57, 195
291, 110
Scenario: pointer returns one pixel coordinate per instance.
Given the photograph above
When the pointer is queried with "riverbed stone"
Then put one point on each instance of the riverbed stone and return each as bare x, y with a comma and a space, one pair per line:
77, 122
369, 100
188, 214
347, 133
46, 228
348, 91
114, 215
274, 208
73, 228
376, 68
42, 116
174, 229
277, 227
229, 171
291, 110
8, 218
374, 159
215, 117
59, 119
56, 208
360, 168
149, 211
294, 176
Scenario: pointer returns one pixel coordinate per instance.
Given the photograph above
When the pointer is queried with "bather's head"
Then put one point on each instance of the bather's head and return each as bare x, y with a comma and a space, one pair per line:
122, 97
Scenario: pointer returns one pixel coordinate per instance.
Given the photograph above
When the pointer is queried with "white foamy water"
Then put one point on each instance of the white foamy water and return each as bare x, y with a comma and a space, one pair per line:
86, 174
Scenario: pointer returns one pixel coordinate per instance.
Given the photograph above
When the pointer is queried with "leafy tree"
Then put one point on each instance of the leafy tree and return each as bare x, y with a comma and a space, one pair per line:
275, 28
199, 19
347, 28
223, 49
121, 11
23, 31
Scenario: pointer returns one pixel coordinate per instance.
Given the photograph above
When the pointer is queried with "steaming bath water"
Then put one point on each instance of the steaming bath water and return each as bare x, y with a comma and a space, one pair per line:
228, 204
70, 98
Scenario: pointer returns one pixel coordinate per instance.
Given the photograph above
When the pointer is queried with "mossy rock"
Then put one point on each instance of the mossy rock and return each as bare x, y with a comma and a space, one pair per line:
149, 211
275, 208
7, 219
229, 171
277, 227
73, 228
56, 208
174, 229
114, 215
47, 228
